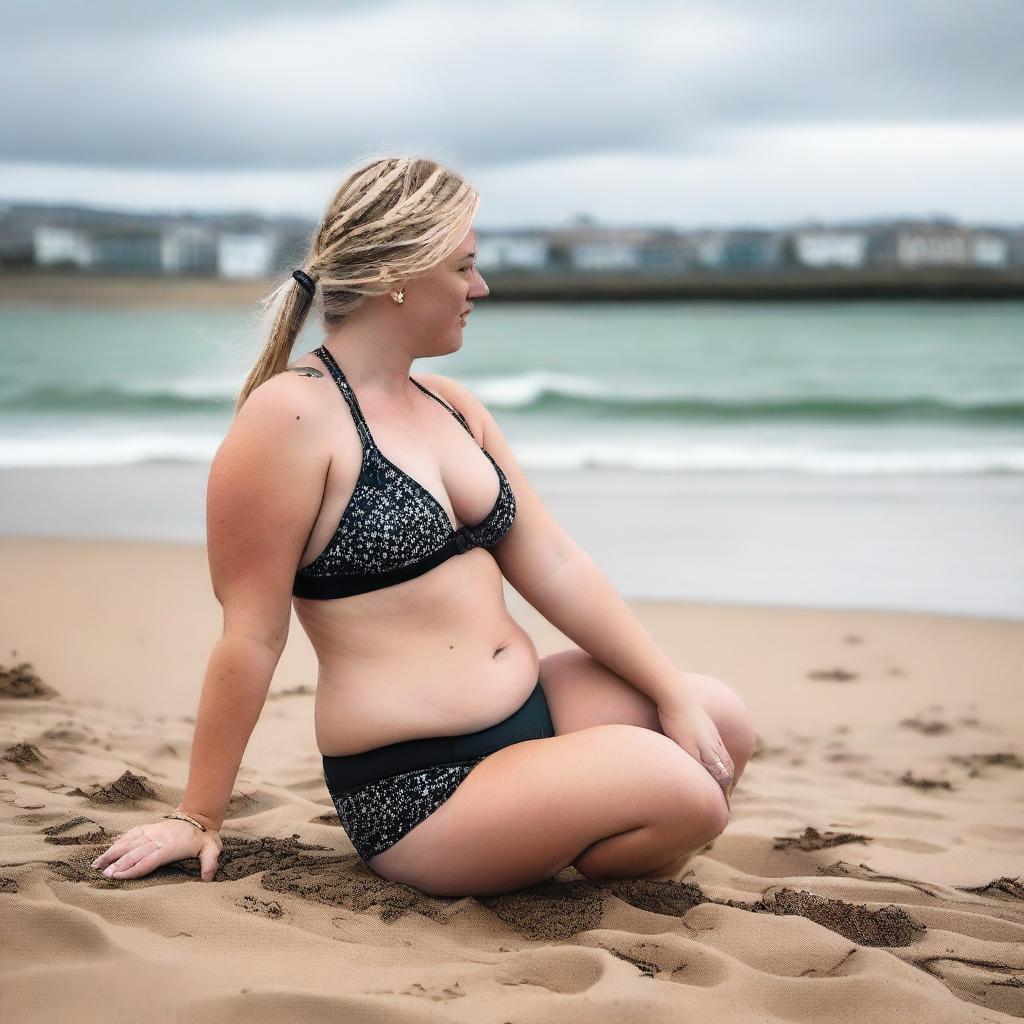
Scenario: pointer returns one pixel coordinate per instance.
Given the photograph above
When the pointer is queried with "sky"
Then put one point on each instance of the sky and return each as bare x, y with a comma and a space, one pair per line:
688, 114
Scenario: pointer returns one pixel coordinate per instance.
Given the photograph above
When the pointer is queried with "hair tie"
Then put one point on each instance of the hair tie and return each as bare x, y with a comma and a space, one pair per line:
305, 280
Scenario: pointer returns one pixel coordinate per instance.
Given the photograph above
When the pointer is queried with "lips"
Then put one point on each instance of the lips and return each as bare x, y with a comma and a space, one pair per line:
464, 316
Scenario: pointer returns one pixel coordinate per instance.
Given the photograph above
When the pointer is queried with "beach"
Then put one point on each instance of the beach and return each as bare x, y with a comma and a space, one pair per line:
786, 500
728, 315
870, 870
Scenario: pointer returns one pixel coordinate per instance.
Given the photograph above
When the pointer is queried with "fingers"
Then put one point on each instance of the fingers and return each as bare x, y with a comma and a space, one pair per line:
720, 770
208, 862
723, 772
139, 860
128, 841
719, 763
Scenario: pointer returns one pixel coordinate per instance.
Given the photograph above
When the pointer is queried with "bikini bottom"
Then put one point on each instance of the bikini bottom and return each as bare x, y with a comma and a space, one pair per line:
384, 793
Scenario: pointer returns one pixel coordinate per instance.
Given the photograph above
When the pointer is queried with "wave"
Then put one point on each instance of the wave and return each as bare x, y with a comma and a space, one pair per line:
561, 395
137, 447
554, 393
107, 398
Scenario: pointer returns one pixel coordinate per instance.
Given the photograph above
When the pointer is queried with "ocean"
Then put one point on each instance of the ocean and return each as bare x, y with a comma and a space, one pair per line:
852, 404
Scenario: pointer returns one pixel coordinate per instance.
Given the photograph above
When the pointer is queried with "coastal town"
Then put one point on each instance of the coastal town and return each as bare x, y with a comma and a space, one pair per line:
240, 247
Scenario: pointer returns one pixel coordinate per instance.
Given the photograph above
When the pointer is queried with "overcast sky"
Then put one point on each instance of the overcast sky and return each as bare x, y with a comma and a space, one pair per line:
758, 112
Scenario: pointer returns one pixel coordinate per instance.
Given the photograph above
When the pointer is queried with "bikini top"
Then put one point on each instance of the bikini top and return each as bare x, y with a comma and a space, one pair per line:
393, 528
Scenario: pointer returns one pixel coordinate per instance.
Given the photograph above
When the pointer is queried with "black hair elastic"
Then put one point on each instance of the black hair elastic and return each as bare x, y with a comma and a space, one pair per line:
305, 280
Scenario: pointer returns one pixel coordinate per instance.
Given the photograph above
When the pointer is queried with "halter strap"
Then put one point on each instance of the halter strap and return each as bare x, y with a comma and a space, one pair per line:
350, 396
451, 408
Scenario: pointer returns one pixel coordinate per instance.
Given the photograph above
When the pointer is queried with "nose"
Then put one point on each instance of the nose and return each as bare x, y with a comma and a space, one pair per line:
481, 291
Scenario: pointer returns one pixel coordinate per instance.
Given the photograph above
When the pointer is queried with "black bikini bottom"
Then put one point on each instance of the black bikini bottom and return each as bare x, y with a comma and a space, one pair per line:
384, 793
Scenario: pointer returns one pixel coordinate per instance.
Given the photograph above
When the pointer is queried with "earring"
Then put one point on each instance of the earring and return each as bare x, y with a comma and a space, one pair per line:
399, 296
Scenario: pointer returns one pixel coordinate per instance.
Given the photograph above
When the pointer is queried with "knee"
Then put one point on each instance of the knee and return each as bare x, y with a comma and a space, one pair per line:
742, 738
730, 714
696, 803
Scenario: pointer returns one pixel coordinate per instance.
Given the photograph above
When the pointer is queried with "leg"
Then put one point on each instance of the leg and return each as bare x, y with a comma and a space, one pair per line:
531, 809
581, 692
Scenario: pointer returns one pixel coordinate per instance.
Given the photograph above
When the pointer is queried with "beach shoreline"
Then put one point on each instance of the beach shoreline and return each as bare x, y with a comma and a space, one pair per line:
767, 539
31, 287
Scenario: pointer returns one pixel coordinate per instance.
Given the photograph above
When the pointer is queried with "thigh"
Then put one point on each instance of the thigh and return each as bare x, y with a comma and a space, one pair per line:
581, 693
529, 810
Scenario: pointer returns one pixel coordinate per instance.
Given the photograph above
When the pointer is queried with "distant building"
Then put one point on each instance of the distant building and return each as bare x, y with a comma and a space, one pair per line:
931, 245
128, 249
666, 251
743, 249
512, 250
245, 255
17, 243
989, 250
1015, 247
188, 249
604, 254
586, 247
824, 248
56, 246
251, 245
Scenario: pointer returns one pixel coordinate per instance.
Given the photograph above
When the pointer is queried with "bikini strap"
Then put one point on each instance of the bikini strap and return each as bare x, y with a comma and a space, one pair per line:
350, 396
451, 408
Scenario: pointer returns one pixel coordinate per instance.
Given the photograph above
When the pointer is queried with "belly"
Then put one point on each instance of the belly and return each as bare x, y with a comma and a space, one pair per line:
436, 655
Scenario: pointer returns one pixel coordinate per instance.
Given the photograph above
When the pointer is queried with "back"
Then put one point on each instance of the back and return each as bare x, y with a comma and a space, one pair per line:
264, 493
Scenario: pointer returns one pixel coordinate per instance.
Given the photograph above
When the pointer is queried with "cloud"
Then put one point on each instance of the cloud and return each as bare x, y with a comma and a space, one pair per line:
687, 112
271, 87
763, 176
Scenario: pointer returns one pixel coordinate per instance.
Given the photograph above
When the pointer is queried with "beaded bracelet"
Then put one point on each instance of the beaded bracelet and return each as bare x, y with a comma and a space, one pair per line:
185, 817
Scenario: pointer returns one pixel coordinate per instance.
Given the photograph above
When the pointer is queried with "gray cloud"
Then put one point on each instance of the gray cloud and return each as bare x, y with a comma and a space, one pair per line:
269, 86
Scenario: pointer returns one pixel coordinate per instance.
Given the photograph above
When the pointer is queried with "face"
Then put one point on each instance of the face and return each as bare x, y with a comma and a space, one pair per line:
442, 297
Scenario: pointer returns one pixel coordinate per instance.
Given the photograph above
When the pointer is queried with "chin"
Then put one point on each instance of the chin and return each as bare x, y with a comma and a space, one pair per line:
448, 346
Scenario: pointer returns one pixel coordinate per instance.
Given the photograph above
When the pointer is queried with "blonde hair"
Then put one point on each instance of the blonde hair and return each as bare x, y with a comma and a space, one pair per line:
390, 220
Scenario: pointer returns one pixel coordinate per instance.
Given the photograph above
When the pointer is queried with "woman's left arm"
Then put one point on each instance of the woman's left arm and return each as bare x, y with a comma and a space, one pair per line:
560, 579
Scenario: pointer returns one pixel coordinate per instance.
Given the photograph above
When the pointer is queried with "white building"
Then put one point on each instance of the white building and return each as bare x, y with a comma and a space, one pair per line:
245, 255
605, 255
951, 246
186, 248
53, 245
988, 250
931, 247
830, 248
511, 250
598, 248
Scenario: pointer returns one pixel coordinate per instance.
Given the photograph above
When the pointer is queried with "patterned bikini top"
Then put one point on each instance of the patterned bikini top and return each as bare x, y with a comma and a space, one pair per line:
393, 528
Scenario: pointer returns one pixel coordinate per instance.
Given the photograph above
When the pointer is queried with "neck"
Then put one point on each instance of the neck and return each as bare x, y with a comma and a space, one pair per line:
370, 364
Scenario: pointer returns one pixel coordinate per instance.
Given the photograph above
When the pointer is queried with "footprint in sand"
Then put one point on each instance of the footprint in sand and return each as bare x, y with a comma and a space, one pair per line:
841, 675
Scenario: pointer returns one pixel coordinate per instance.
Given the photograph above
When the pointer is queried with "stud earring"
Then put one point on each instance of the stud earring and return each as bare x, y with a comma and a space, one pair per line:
399, 296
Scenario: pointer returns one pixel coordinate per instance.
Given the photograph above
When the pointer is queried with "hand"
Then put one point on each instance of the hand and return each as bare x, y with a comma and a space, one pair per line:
145, 847
695, 731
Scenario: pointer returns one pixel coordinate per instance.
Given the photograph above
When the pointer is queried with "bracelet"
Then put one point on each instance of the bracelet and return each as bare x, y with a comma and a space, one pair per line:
185, 817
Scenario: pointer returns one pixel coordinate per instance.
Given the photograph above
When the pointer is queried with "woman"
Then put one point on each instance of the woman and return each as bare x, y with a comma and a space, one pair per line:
458, 760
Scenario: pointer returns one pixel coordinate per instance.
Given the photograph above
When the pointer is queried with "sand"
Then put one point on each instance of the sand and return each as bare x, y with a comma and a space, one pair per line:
871, 870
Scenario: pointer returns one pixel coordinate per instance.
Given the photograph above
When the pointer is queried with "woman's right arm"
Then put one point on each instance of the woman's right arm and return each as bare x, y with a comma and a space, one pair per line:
265, 488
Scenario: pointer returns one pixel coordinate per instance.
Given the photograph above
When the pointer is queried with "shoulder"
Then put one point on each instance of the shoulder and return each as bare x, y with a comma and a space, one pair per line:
286, 399
459, 396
